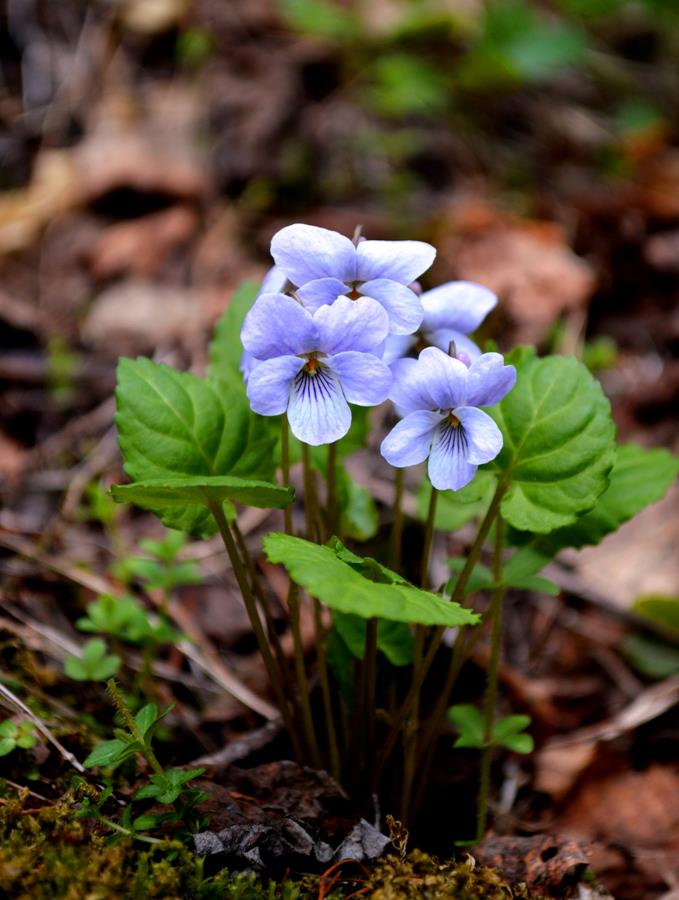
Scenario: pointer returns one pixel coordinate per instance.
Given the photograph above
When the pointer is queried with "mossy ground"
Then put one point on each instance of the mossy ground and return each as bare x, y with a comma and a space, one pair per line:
50, 852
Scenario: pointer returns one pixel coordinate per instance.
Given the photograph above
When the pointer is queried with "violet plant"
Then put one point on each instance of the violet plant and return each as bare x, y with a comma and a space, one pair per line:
524, 447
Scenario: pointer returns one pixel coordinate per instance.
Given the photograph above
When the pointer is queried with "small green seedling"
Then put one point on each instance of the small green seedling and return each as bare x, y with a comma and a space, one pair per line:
95, 664
508, 732
126, 619
162, 571
16, 734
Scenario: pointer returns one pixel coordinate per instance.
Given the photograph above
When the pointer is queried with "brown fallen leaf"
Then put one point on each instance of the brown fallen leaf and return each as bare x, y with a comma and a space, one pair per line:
141, 246
138, 316
558, 768
543, 862
52, 190
527, 263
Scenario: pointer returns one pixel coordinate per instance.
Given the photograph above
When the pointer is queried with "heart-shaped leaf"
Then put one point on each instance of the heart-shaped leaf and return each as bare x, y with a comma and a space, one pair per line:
202, 490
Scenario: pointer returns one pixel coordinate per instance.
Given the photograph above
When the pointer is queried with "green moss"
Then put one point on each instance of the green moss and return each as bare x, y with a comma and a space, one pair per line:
423, 877
50, 853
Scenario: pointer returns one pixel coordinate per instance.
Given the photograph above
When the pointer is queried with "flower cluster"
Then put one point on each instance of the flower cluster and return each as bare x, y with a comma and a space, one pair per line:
333, 324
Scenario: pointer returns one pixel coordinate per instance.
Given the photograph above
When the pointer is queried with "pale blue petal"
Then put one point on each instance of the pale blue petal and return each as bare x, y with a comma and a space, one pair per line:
408, 442
461, 305
397, 346
484, 438
318, 412
306, 252
489, 380
347, 324
401, 261
446, 377
277, 325
402, 305
247, 364
274, 282
365, 379
449, 468
410, 388
269, 384
315, 294
444, 336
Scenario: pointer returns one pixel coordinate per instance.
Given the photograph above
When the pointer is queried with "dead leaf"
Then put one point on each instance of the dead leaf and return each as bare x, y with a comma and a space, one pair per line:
141, 246
558, 768
138, 316
635, 809
639, 558
50, 193
150, 17
542, 862
527, 263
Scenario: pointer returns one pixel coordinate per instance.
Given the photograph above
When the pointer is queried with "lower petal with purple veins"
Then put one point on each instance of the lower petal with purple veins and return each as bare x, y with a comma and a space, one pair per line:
269, 383
408, 443
449, 467
318, 412
484, 438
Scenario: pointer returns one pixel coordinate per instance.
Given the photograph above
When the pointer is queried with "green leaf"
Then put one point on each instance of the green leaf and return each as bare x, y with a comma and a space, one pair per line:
559, 445
341, 587
639, 477
321, 18
651, 656
510, 725
201, 490
455, 508
481, 579
8, 729
107, 753
394, 639
147, 717
659, 608
6, 746
95, 665
518, 743
226, 350
469, 722
173, 424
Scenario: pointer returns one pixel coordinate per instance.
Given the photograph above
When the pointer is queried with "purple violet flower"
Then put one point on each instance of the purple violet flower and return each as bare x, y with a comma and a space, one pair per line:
314, 364
439, 396
323, 265
451, 312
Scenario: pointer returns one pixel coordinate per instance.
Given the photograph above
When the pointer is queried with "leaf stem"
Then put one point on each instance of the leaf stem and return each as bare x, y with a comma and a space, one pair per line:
331, 512
428, 538
301, 676
275, 676
490, 701
310, 498
324, 681
285, 465
397, 528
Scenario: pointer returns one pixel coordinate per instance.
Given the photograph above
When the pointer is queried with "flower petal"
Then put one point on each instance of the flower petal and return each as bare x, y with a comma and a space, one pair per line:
410, 388
461, 305
318, 412
402, 305
306, 252
444, 336
409, 441
489, 380
449, 468
247, 363
397, 346
484, 438
315, 294
274, 282
365, 379
269, 384
351, 325
446, 378
277, 325
401, 261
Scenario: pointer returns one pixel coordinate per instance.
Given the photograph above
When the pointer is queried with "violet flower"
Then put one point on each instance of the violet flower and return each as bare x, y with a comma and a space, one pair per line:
451, 312
314, 364
439, 396
323, 265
